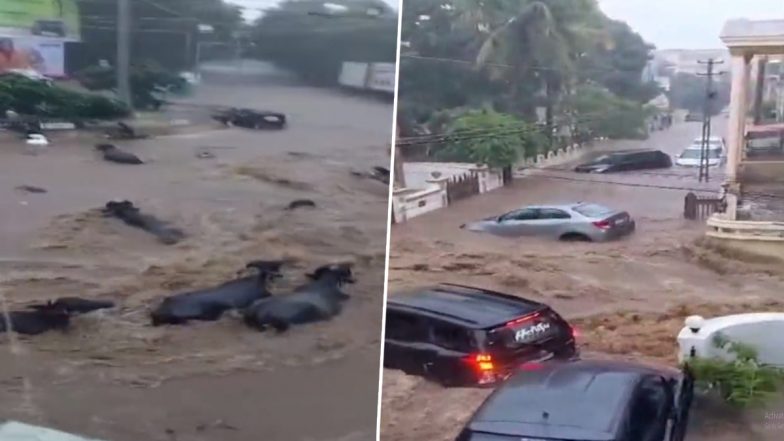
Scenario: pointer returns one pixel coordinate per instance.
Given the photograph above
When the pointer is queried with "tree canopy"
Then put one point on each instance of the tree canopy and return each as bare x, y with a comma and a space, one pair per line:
540, 61
308, 38
164, 31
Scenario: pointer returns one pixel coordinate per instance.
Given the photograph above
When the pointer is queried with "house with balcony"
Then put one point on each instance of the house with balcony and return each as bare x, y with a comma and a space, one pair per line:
754, 186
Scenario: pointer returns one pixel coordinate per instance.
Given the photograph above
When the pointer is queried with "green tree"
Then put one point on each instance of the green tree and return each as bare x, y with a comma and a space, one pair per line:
505, 139
688, 92
599, 112
302, 36
165, 31
515, 57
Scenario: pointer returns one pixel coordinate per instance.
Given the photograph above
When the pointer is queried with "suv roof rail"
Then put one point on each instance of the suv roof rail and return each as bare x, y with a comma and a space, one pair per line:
439, 313
490, 292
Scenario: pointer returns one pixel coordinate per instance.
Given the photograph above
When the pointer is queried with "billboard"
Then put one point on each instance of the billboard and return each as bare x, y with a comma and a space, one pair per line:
40, 55
49, 19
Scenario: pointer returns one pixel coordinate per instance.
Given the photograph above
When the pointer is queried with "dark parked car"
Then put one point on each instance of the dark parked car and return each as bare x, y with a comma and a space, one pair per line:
462, 336
627, 161
49, 28
251, 119
586, 400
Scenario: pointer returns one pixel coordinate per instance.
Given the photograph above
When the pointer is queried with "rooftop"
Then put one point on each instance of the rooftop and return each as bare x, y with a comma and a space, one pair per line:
566, 398
740, 33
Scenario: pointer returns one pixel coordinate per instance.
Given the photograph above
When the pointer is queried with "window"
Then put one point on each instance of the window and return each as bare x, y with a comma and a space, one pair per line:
553, 213
650, 410
521, 215
405, 327
452, 337
592, 210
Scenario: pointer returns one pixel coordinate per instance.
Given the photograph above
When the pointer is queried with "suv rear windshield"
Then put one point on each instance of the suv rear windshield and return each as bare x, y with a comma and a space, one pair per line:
532, 329
593, 210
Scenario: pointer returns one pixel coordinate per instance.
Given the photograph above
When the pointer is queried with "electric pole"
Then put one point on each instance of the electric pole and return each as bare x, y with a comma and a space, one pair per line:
124, 51
710, 95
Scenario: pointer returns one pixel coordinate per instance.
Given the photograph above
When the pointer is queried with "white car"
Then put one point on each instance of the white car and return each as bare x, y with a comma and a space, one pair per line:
692, 155
713, 142
36, 139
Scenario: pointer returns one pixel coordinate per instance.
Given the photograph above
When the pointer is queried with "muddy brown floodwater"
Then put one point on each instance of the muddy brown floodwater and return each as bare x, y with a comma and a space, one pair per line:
112, 376
627, 298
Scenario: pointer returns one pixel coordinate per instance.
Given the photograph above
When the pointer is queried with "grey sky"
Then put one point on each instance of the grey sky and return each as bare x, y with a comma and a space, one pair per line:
687, 24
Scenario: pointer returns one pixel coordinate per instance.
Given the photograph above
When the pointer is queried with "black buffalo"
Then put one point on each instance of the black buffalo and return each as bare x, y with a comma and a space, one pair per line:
321, 299
128, 213
50, 316
113, 154
211, 303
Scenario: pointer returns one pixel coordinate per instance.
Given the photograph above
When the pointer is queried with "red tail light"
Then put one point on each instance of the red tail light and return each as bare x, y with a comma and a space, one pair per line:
602, 225
484, 362
575, 332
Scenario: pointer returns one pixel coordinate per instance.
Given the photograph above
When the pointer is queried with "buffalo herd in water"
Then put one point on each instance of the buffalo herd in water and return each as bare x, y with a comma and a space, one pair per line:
250, 295
319, 299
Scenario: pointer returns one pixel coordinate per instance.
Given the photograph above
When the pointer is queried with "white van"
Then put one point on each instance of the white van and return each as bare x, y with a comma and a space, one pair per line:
691, 156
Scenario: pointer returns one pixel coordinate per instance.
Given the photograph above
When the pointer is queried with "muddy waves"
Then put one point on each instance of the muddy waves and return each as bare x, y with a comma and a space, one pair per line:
628, 300
86, 254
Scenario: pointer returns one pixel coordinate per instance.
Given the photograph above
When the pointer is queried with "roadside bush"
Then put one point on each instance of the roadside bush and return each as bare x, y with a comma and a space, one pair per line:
147, 80
490, 138
743, 381
41, 99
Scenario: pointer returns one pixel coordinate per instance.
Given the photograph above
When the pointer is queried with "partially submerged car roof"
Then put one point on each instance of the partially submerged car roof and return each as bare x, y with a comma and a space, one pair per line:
466, 306
582, 399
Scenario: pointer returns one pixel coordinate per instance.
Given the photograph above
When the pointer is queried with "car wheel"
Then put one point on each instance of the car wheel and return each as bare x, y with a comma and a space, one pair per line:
575, 237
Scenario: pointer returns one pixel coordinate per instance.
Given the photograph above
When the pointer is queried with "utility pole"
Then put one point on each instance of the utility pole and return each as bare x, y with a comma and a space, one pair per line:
710, 95
124, 51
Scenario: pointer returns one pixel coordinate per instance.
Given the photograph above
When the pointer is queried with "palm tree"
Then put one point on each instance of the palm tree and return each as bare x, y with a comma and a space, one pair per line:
537, 42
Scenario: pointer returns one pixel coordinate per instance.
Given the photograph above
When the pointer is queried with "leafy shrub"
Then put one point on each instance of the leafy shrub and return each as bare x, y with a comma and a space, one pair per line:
37, 98
741, 381
490, 138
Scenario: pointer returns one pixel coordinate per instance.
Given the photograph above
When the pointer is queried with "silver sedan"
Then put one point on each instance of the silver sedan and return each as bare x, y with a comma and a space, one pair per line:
575, 222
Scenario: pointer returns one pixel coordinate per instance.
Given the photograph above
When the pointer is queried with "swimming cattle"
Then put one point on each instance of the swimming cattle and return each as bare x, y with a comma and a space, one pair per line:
128, 213
321, 299
113, 154
73, 305
50, 316
210, 304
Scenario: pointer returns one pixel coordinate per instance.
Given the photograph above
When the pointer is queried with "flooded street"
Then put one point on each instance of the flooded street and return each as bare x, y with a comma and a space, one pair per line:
112, 375
628, 298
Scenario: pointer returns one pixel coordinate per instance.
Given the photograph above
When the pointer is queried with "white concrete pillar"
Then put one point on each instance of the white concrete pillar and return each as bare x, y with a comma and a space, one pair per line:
736, 129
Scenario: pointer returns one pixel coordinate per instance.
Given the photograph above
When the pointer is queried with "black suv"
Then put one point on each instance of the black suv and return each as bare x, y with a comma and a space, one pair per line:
586, 400
461, 336
627, 161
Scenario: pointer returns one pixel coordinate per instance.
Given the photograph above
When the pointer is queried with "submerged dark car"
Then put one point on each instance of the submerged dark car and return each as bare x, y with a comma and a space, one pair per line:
49, 28
586, 400
627, 161
464, 336
251, 119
